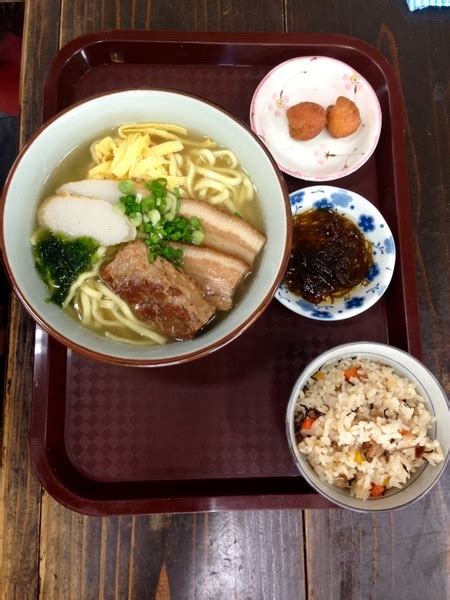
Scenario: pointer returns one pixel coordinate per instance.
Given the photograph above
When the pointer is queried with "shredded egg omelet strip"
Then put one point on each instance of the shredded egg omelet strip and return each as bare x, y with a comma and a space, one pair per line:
148, 151
138, 153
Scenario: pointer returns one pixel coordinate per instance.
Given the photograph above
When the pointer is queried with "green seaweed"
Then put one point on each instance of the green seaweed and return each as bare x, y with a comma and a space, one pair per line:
60, 259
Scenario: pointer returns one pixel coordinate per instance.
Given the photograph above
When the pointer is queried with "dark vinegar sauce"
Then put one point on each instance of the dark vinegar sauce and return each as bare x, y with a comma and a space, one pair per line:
329, 256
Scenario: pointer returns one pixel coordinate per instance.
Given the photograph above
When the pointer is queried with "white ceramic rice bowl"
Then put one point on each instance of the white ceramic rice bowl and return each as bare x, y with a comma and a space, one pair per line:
435, 399
80, 125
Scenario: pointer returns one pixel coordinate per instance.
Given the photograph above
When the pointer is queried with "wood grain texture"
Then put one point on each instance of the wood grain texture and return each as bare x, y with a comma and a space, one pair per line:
83, 16
40, 35
236, 555
85, 557
399, 555
20, 491
204, 557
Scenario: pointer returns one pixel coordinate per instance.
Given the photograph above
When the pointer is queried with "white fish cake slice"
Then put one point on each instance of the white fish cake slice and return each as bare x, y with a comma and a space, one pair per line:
79, 216
103, 189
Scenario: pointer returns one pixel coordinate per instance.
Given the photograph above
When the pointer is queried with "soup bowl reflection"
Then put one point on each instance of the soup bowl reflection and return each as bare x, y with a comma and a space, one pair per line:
86, 121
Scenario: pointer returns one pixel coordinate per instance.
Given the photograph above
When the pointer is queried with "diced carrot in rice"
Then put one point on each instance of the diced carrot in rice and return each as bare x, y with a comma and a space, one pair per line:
307, 423
377, 490
351, 372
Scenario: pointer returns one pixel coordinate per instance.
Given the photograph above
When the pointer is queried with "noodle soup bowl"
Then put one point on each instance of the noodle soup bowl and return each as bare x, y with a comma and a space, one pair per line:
78, 127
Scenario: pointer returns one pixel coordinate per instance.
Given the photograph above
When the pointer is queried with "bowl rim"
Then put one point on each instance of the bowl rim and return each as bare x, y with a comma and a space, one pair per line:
353, 348
357, 198
147, 362
332, 176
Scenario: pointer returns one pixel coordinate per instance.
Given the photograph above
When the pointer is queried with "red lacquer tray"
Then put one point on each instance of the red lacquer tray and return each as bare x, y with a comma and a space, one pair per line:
208, 435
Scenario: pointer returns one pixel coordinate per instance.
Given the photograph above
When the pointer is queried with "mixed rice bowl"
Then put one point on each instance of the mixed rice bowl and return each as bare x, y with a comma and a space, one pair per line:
364, 427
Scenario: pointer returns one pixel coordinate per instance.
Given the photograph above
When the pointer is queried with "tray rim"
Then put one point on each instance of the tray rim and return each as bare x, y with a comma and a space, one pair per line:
183, 504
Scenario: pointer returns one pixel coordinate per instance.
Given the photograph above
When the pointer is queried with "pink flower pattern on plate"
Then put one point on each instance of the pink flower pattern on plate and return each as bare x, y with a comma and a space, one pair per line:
319, 153
278, 102
352, 82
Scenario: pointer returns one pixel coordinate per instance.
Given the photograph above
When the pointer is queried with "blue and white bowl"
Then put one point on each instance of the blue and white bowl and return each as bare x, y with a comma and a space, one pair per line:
372, 224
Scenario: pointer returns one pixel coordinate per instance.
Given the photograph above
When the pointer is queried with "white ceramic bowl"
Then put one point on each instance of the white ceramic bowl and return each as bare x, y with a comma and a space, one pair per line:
426, 384
80, 125
319, 79
373, 226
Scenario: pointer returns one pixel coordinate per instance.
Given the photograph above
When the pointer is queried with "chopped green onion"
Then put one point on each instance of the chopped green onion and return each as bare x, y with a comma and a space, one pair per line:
170, 204
136, 219
147, 203
126, 186
158, 187
154, 216
197, 237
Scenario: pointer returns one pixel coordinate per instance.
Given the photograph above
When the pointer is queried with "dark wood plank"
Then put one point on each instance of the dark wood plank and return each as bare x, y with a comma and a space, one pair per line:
20, 491
221, 15
86, 557
227, 15
84, 16
20, 514
41, 30
399, 555
205, 556
236, 555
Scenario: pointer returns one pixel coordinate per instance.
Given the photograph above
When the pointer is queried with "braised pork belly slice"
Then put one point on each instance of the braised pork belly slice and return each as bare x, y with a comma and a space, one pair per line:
225, 232
217, 274
158, 293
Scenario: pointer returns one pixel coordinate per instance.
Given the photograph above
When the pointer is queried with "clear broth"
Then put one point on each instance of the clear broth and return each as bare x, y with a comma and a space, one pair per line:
75, 166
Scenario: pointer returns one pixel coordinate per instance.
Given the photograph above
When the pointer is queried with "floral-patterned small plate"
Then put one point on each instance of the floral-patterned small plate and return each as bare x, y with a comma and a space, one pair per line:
371, 222
317, 79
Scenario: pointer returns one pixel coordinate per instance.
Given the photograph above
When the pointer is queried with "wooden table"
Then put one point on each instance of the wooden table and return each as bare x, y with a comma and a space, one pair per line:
50, 552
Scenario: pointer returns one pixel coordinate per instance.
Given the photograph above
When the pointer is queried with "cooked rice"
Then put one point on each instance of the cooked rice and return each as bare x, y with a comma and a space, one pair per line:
369, 429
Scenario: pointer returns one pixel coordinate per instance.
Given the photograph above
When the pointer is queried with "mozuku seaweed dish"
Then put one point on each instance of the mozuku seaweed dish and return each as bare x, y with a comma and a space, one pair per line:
148, 235
329, 256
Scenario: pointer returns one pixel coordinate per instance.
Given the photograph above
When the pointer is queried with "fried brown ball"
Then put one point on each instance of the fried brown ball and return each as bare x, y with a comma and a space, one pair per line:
306, 120
343, 118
